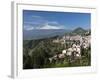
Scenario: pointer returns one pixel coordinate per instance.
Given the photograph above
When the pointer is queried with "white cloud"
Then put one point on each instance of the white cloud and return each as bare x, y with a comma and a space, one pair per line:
35, 16
47, 26
29, 28
53, 22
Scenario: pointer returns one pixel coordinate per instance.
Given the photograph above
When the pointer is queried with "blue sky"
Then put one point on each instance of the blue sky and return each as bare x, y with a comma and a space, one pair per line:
55, 20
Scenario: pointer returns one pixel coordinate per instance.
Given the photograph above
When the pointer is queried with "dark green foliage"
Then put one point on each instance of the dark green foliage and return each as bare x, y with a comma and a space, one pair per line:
27, 62
36, 54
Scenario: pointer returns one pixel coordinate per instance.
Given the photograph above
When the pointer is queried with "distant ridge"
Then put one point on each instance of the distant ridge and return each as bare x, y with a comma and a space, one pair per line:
47, 33
43, 33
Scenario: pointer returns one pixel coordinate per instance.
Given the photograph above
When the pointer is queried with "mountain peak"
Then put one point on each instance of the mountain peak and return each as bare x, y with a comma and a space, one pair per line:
79, 30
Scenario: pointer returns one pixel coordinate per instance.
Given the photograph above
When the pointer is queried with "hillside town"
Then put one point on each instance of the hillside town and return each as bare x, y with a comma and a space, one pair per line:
73, 48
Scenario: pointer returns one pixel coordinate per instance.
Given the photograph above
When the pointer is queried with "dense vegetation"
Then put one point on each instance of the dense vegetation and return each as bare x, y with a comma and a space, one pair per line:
36, 54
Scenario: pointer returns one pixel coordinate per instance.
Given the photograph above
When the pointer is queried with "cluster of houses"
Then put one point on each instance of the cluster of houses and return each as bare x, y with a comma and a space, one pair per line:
74, 51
